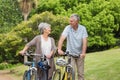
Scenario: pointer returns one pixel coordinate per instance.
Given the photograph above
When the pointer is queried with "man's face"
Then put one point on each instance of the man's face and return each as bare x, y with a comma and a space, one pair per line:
73, 22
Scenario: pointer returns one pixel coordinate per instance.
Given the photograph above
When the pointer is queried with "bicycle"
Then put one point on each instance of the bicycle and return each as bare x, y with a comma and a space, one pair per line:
68, 72
31, 73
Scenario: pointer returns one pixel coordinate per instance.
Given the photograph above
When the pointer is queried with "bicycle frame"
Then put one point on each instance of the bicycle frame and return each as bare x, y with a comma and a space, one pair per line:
32, 70
29, 72
68, 72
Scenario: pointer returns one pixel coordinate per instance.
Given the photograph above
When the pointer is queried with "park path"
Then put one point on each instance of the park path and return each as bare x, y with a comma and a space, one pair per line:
5, 75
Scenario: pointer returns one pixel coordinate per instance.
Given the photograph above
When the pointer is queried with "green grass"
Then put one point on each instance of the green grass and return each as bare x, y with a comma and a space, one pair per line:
104, 65
16, 71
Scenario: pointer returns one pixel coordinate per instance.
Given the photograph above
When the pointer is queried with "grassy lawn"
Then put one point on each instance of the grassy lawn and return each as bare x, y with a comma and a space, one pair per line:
17, 72
104, 65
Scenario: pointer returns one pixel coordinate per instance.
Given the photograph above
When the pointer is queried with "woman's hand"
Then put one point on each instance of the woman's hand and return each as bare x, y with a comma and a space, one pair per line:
48, 56
22, 52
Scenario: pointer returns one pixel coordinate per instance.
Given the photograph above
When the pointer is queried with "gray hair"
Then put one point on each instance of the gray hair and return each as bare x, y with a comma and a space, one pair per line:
43, 26
76, 16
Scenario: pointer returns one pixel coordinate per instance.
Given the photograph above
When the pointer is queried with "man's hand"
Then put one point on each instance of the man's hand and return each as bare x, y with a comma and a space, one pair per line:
82, 55
60, 52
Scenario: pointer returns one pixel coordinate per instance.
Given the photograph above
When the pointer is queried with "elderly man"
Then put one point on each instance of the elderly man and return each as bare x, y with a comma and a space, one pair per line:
76, 35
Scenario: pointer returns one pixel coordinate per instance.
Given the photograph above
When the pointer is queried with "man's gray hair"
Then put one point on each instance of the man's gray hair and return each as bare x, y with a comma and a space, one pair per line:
76, 16
42, 26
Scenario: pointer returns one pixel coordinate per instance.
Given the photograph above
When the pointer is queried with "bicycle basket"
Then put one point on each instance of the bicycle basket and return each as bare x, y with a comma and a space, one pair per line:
61, 62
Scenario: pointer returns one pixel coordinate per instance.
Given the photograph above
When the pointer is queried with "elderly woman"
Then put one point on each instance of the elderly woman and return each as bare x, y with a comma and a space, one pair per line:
43, 45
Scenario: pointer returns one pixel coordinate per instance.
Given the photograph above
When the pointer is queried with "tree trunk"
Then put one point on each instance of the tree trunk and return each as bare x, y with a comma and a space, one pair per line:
25, 17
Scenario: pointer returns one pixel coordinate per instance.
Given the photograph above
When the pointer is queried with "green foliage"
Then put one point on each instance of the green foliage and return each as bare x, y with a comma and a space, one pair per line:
55, 6
14, 41
8, 45
4, 65
115, 11
100, 24
100, 17
10, 15
49, 5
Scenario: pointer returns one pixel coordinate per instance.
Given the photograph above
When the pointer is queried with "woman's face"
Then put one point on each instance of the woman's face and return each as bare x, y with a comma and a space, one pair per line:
47, 30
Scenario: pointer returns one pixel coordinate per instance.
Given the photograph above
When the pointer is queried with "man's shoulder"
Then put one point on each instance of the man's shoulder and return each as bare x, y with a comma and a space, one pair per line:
82, 26
68, 27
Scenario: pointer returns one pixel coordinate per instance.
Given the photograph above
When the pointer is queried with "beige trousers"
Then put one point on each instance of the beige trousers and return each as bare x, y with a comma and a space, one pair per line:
78, 67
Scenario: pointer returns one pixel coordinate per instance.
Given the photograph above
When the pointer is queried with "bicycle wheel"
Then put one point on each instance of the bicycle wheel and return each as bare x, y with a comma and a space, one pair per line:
26, 76
65, 76
69, 76
33, 75
44, 75
56, 75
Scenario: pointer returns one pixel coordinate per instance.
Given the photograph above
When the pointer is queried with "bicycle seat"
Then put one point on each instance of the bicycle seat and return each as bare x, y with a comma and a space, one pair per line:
61, 62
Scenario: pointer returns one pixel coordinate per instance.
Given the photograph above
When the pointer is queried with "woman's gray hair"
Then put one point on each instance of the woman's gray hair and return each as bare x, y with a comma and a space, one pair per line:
42, 26
76, 16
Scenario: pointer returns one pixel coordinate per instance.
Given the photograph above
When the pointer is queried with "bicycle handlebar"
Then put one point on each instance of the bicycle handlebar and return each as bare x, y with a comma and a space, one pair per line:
70, 54
27, 54
31, 54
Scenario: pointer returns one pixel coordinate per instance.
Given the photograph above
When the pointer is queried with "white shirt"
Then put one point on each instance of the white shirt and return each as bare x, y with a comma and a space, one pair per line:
45, 46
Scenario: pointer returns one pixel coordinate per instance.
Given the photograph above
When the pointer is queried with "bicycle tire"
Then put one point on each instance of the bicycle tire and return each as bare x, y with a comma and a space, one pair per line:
25, 77
68, 76
71, 75
44, 75
56, 75
33, 75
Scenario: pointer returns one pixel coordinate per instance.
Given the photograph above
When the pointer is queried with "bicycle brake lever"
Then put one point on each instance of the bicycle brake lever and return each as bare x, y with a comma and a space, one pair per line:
66, 53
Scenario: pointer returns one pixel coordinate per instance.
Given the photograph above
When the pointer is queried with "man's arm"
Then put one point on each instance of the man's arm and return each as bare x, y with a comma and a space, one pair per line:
84, 47
60, 43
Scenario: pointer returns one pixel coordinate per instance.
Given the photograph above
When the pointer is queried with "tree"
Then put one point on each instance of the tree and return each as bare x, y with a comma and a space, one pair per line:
26, 7
13, 42
10, 15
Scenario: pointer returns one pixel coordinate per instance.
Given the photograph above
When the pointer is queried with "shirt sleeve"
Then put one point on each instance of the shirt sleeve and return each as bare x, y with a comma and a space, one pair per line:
65, 31
32, 42
85, 34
